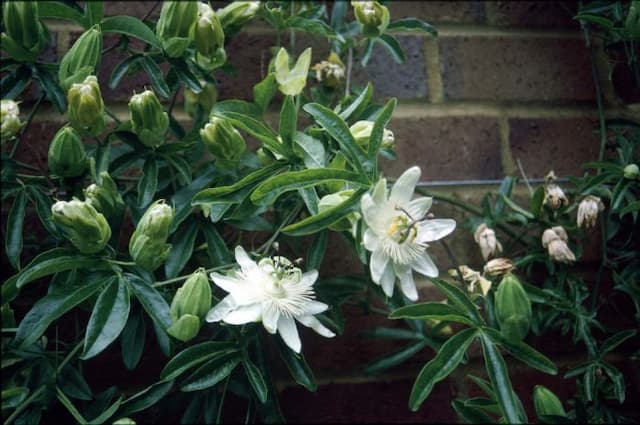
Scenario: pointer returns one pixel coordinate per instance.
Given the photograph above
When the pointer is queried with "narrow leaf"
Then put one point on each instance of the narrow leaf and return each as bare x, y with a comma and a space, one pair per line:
255, 379
131, 26
145, 398
523, 352
359, 104
298, 367
15, 221
211, 373
153, 303
55, 261
183, 242
288, 123
133, 339
148, 184
395, 358
216, 246
375, 140
459, 299
193, 356
155, 75
431, 310
615, 340
393, 47
412, 24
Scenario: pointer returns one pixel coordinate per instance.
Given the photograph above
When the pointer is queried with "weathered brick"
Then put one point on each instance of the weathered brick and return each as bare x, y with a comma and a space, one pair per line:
137, 9
446, 148
561, 144
522, 69
459, 12
536, 14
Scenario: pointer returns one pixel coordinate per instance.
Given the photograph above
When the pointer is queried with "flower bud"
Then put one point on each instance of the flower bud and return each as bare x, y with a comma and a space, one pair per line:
209, 38
22, 26
555, 240
86, 108
498, 267
104, 196
148, 119
205, 99
546, 402
237, 13
485, 237
174, 26
85, 227
82, 59
191, 301
350, 221
361, 131
124, 421
330, 72
513, 309
222, 140
67, 156
372, 16
631, 172
588, 211
10, 117
291, 81
147, 245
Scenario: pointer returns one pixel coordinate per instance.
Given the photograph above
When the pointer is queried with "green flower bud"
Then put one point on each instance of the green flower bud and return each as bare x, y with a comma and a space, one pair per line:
82, 59
86, 108
631, 172
361, 131
208, 36
513, 308
372, 16
238, 13
149, 120
174, 26
546, 402
350, 221
205, 99
67, 156
104, 196
147, 245
222, 140
125, 421
85, 227
10, 117
190, 305
23, 30
291, 81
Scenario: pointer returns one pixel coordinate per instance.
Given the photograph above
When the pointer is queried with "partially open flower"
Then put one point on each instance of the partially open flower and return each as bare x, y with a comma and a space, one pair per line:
554, 195
498, 267
485, 237
361, 131
372, 16
472, 278
86, 108
588, 211
10, 117
330, 72
291, 81
273, 292
85, 227
555, 240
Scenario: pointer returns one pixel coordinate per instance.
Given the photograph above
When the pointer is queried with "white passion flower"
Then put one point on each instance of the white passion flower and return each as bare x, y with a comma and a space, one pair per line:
272, 291
398, 233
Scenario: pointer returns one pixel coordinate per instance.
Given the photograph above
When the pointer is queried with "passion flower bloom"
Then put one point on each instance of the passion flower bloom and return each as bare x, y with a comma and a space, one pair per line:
273, 292
398, 233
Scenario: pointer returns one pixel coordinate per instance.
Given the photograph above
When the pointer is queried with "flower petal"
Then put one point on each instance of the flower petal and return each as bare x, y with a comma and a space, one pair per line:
425, 266
308, 278
243, 259
369, 208
380, 191
419, 207
315, 307
378, 263
387, 280
244, 314
313, 323
432, 230
402, 190
270, 316
371, 240
243, 291
289, 333
407, 284
221, 309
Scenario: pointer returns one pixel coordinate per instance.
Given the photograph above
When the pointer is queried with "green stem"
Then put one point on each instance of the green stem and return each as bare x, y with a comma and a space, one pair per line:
122, 263
224, 392
265, 246
454, 262
347, 88
186, 276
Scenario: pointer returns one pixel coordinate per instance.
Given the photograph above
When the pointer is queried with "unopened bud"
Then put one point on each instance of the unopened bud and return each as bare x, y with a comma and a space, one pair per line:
485, 237
192, 300
85, 227
498, 267
174, 26
588, 211
86, 108
361, 132
237, 13
291, 81
148, 244
372, 16
330, 72
350, 221
546, 402
82, 59
222, 140
209, 38
148, 119
67, 156
631, 172
104, 197
205, 99
513, 309
10, 117
555, 240
23, 29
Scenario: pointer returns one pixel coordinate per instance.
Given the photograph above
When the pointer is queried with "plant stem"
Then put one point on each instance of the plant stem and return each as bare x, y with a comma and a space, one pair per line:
122, 263
347, 88
186, 276
265, 246
454, 262
113, 116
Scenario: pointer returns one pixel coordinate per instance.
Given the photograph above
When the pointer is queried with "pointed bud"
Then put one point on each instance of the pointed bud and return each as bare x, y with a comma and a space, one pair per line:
104, 197
513, 309
546, 402
361, 131
174, 26
148, 119
372, 16
222, 140
67, 156
86, 228
82, 59
10, 117
209, 38
147, 245
291, 81
86, 108
205, 99
190, 305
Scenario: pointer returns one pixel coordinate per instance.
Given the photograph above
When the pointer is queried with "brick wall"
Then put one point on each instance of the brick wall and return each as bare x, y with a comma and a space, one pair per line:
504, 82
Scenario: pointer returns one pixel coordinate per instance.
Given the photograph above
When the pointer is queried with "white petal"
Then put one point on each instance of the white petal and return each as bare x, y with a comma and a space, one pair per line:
369, 208
316, 325
378, 263
228, 283
309, 278
221, 309
419, 207
270, 316
371, 240
289, 333
380, 191
403, 188
407, 284
425, 266
432, 230
243, 259
315, 307
387, 280
244, 314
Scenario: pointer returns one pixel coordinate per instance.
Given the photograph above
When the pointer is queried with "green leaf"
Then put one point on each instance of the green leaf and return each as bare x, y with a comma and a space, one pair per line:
395, 358
93, 12
631, 208
153, 303
108, 318
298, 367
186, 75
375, 141
268, 191
183, 242
48, 83
148, 184
499, 376
255, 379
393, 47
618, 380
459, 299
70, 407
155, 75
337, 128
431, 310
516, 207
132, 340
193, 356
312, 26
216, 247
73, 384
472, 415
212, 372
131, 26
535, 205
613, 341
359, 104
121, 69
391, 333
59, 10
145, 398
412, 24
288, 123
107, 413
310, 149
14, 82
523, 352
264, 91
320, 221
316, 251
254, 127
15, 221
54, 261
446, 361
51, 307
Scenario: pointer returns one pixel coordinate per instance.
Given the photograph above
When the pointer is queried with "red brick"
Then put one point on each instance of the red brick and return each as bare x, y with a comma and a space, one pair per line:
522, 69
535, 14
459, 12
562, 145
